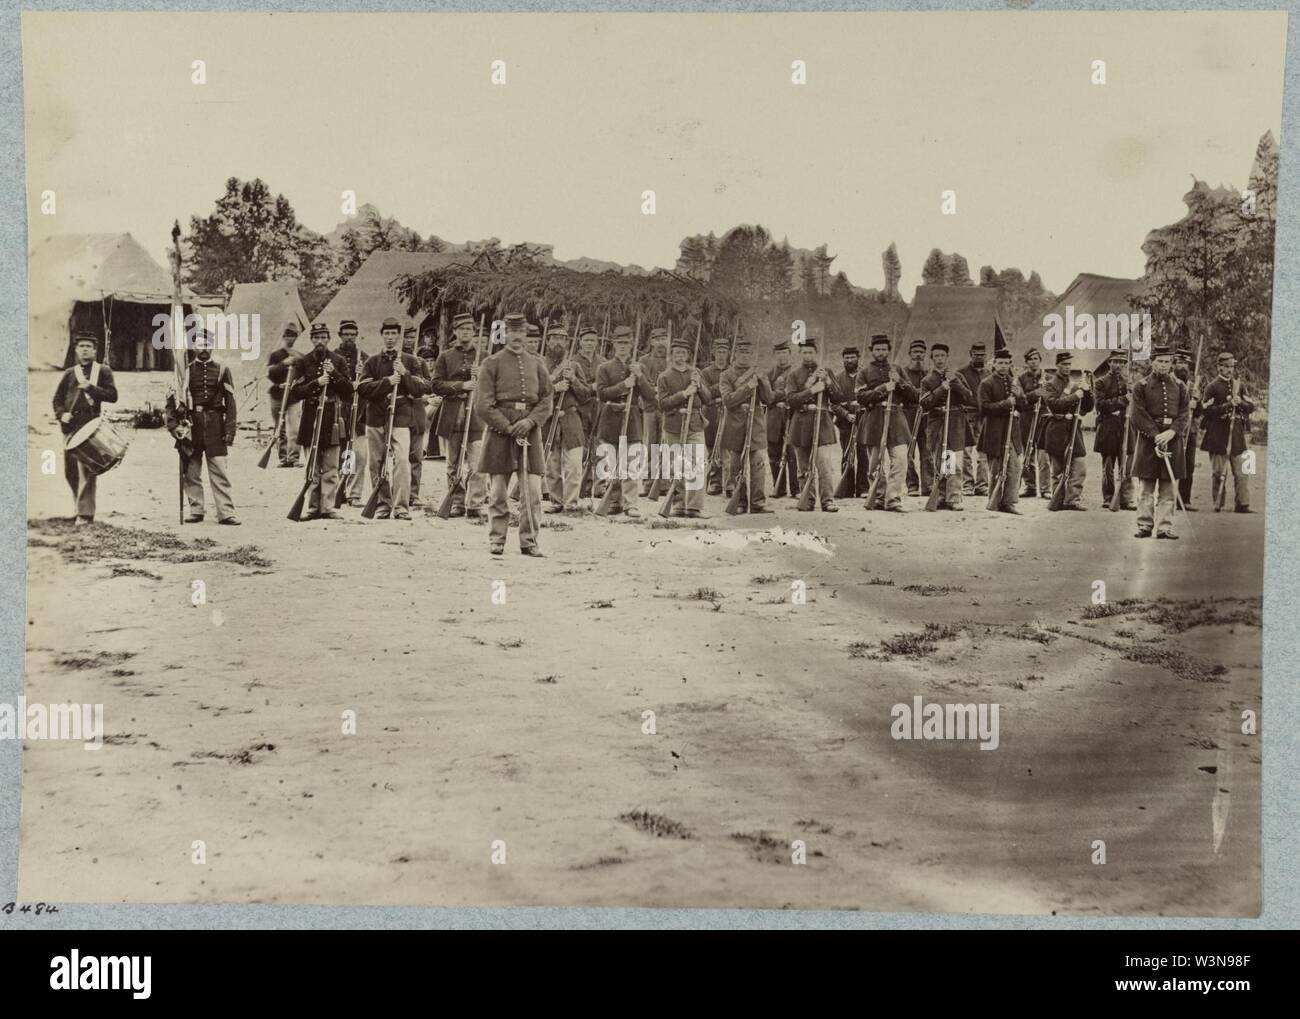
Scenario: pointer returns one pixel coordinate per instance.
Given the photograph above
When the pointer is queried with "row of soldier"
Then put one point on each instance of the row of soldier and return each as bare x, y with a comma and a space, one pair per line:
916, 429
949, 425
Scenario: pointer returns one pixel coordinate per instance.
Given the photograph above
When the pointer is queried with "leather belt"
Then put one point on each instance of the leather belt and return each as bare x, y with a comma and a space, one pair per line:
516, 406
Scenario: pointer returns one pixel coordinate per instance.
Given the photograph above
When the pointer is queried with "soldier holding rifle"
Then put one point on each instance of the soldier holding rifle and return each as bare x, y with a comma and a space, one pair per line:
619, 423
322, 376
567, 438
278, 364
1038, 466
810, 393
1002, 403
918, 465
744, 385
944, 398
1227, 416
854, 458
885, 432
1111, 393
1066, 398
353, 470
714, 415
387, 374
779, 454
680, 391
455, 375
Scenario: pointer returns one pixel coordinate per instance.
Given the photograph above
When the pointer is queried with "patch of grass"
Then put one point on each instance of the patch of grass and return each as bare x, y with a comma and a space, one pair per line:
133, 544
933, 590
601, 603
704, 594
511, 644
1179, 616
131, 571
880, 582
656, 824
603, 861
920, 644
859, 649
551, 679
766, 578
97, 660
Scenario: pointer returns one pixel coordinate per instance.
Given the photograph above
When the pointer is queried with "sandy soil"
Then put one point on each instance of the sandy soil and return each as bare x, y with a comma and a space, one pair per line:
522, 722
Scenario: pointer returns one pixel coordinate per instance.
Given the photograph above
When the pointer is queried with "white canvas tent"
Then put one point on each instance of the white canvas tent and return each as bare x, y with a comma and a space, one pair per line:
106, 283
276, 305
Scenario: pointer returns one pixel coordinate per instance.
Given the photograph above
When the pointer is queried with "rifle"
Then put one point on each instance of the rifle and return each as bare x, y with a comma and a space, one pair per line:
785, 445
1031, 447
444, 508
1222, 491
849, 461
936, 488
280, 422
1000, 486
559, 410
1067, 458
350, 439
589, 452
372, 504
313, 455
666, 507
657, 484
602, 509
880, 453
811, 487
1129, 444
716, 452
746, 472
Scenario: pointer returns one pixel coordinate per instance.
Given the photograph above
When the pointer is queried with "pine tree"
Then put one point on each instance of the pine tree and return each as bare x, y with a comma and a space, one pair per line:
935, 270
893, 269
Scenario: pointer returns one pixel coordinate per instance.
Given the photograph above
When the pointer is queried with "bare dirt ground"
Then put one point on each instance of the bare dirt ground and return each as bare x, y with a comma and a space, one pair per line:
523, 722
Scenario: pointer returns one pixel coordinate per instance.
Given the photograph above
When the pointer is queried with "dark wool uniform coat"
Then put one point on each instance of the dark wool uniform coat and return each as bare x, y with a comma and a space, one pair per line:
653, 365
996, 399
712, 408
1157, 404
973, 377
376, 389
670, 391
1216, 411
569, 404
337, 395
213, 390
737, 403
1056, 437
612, 397
591, 404
1112, 405
1032, 383
870, 385
278, 363
912, 400
933, 400
449, 371
512, 387
776, 416
82, 404
847, 412
803, 405
352, 357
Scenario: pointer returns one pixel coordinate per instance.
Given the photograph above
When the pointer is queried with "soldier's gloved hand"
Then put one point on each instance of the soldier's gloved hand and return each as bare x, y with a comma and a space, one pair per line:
65, 418
1165, 437
521, 428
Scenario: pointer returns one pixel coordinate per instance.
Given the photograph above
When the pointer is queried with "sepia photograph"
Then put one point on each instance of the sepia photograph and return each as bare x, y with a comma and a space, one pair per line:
783, 461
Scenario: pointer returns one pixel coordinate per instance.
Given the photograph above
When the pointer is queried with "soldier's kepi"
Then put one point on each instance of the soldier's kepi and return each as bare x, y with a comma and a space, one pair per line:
514, 396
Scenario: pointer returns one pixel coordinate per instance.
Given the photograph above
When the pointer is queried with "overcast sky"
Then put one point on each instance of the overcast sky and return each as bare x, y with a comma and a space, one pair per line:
1051, 172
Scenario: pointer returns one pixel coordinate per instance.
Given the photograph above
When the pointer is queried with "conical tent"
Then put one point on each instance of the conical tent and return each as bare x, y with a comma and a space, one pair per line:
1096, 299
105, 283
276, 305
957, 316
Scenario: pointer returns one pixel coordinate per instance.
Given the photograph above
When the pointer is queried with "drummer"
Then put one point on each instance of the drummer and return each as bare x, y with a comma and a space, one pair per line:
83, 388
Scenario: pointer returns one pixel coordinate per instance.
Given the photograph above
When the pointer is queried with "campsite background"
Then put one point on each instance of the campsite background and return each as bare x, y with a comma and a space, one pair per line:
760, 218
